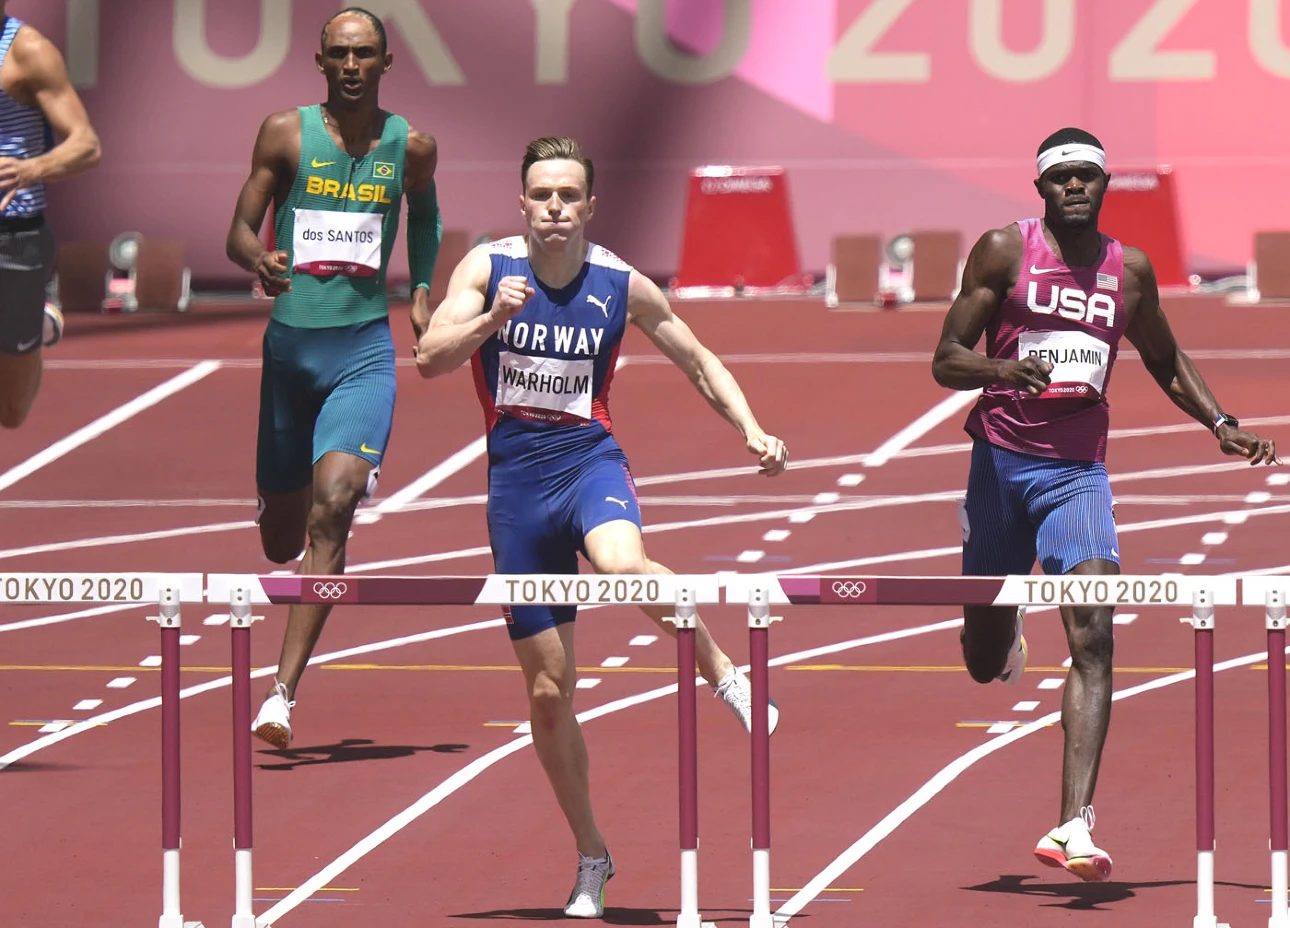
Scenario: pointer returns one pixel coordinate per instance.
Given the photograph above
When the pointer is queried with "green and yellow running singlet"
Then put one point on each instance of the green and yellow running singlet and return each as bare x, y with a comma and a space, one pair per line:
338, 225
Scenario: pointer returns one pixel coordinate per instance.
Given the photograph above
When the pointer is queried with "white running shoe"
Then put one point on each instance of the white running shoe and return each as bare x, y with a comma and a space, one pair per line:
736, 690
52, 332
588, 897
273, 724
1017, 651
1071, 846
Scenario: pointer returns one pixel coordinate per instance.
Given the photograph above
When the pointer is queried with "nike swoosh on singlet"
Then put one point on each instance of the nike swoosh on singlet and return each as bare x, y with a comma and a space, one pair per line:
1043, 270
366, 450
315, 163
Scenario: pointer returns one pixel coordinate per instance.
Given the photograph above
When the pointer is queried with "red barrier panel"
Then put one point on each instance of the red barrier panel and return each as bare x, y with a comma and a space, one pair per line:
738, 234
1141, 209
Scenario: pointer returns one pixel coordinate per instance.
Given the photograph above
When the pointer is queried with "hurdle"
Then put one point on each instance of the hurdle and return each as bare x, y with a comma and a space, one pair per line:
683, 593
759, 592
168, 592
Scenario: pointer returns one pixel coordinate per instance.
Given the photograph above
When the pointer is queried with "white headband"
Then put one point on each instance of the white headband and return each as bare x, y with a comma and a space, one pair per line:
1073, 151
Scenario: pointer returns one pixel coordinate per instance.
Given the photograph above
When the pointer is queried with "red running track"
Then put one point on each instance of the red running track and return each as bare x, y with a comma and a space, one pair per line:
874, 701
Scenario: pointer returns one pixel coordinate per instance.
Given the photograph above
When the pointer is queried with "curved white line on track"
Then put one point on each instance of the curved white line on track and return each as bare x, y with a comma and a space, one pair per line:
90, 724
463, 776
949, 773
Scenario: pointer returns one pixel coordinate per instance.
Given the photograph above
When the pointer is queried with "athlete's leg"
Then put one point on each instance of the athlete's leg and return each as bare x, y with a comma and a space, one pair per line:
26, 262
284, 447
340, 481
616, 547
1072, 507
1077, 536
19, 384
1086, 702
349, 437
998, 539
607, 524
550, 673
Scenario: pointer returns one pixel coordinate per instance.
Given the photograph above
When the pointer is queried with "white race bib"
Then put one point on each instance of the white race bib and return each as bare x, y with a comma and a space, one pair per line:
558, 386
327, 242
1079, 361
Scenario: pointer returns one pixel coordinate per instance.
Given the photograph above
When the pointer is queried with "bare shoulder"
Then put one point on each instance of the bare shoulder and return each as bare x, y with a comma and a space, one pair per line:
31, 47
1006, 241
420, 160
1138, 264
284, 124
645, 299
278, 142
34, 63
421, 145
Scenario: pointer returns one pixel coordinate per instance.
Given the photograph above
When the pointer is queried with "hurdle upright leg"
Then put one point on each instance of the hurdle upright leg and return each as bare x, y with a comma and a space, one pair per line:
759, 621
1275, 615
168, 620
686, 621
1202, 622
240, 620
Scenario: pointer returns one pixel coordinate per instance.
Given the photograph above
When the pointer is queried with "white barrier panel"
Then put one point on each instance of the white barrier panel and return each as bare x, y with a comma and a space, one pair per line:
219, 587
1254, 590
97, 588
1016, 590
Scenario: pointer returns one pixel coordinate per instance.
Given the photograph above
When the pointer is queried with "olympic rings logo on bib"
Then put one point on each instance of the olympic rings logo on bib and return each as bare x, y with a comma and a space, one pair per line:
330, 590
850, 589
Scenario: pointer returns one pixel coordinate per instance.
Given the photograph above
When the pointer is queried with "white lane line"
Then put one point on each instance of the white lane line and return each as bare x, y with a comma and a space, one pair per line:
472, 770
951, 405
107, 421
951, 772
89, 724
66, 617
459, 460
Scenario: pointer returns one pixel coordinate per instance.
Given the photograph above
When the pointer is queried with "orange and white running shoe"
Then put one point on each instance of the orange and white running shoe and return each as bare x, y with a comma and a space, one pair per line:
1071, 846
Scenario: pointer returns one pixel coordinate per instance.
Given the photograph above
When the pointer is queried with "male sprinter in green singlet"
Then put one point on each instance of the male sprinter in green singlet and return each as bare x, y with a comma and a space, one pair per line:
336, 174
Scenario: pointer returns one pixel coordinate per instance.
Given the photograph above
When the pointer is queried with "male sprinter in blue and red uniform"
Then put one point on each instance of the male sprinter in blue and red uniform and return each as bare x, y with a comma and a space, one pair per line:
1053, 297
542, 316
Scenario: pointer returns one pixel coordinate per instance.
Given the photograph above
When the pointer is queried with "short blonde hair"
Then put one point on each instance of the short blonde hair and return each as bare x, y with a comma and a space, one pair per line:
553, 148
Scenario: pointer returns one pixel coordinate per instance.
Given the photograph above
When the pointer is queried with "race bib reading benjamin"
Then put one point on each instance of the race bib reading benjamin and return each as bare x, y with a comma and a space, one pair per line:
1079, 361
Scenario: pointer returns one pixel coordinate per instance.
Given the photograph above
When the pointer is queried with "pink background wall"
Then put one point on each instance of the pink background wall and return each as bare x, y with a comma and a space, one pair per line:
888, 114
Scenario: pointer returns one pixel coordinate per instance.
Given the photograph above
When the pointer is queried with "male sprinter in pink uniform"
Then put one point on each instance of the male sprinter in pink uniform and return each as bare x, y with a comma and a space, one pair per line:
542, 316
1053, 297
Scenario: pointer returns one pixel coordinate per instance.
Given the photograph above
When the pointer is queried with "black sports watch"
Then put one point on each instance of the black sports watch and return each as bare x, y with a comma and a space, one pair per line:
1224, 419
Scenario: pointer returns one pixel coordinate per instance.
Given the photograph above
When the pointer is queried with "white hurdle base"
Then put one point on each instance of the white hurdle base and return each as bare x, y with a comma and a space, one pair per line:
243, 917
1205, 917
1280, 918
761, 917
689, 916
170, 915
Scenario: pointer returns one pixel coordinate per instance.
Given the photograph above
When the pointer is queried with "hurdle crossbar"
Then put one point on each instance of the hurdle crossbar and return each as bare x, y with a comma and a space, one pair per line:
759, 593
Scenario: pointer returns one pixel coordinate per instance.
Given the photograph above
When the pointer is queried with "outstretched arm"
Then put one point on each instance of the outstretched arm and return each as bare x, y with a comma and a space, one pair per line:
1169, 365
460, 325
43, 83
651, 312
268, 166
425, 225
987, 276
